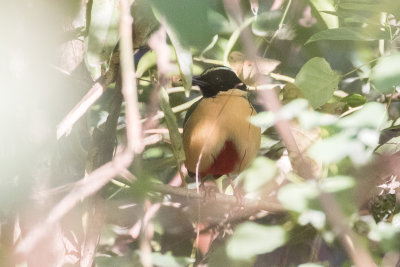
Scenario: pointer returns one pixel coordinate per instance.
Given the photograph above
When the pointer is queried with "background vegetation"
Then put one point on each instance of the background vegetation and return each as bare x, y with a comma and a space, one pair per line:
92, 109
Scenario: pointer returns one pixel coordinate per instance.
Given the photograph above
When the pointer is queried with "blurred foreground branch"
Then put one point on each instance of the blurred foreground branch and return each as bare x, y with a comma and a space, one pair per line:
65, 126
82, 189
102, 175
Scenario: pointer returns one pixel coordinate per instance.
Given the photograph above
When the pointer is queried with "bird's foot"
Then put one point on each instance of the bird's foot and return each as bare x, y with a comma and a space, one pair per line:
210, 190
239, 194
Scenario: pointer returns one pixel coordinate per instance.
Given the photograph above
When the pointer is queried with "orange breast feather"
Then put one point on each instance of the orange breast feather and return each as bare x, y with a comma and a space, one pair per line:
219, 136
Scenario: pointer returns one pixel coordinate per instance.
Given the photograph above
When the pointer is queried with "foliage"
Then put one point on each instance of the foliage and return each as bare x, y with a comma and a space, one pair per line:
335, 66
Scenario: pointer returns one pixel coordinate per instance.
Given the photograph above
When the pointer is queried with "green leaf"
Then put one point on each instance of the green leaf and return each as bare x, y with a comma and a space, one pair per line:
293, 109
360, 6
337, 183
169, 260
148, 60
296, 196
266, 119
349, 16
348, 33
261, 171
189, 20
185, 62
311, 265
396, 221
354, 100
310, 119
251, 239
373, 115
153, 152
190, 24
234, 37
317, 81
326, 5
337, 147
368, 137
124, 261
387, 234
386, 73
263, 119
390, 147
218, 257
314, 217
103, 35
176, 138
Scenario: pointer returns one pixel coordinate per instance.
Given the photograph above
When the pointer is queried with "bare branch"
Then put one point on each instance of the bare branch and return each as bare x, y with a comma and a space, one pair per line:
129, 89
65, 126
251, 204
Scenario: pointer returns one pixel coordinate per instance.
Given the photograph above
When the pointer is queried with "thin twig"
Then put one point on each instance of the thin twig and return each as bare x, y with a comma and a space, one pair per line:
175, 109
133, 124
65, 126
129, 89
359, 67
100, 152
279, 27
281, 77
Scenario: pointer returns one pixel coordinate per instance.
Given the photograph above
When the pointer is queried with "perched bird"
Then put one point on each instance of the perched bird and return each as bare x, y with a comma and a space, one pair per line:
218, 138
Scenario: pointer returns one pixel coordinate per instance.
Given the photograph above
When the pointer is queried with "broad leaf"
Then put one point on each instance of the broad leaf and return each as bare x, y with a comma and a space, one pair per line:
317, 81
337, 183
251, 239
386, 74
372, 115
169, 260
353, 34
261, 171
103, 35
354, 100
189, 20
296, 196
326, 5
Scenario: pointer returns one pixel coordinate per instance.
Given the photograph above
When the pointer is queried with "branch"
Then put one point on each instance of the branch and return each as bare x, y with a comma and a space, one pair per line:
65, 126
129, 89
100, 152
250, 204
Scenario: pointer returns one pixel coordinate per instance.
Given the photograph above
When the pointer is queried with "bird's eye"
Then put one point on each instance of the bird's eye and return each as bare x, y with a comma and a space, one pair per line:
217, 79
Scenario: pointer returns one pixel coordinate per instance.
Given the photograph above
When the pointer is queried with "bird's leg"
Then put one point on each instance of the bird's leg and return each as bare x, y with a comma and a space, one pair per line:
237, 192
210, 189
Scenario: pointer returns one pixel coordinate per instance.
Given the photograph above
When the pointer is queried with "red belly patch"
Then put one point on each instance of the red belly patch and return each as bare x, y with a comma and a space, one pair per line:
225, 162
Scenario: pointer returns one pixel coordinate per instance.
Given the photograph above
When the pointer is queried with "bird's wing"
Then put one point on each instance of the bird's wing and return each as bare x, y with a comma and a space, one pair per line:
190, 111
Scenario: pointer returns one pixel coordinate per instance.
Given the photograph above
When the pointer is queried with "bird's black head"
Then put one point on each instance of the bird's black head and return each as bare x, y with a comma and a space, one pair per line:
217, 79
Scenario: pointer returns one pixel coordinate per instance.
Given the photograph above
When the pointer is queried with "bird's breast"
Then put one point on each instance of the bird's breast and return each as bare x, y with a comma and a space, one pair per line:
218, 136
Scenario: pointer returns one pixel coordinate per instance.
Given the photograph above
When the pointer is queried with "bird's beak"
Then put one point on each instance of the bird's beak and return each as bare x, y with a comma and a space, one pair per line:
196, 80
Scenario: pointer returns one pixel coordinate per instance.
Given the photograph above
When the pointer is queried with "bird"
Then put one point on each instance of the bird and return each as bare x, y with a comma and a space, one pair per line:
218, 138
